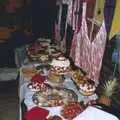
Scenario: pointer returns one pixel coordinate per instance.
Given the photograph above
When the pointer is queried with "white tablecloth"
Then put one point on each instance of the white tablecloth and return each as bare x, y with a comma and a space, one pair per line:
27, 95
92, 113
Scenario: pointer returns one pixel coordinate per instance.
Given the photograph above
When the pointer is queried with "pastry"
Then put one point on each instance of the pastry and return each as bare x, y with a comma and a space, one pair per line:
54, 77
87, 88
37, 83
56, 54
29, 72
60, 65
44, 58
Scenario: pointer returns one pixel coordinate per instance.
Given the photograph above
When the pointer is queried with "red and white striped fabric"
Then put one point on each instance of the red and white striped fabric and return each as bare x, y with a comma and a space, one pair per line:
70, 4
70, 12
75, 27
57, 32
72, 17
88, 54
75, 14
73, 46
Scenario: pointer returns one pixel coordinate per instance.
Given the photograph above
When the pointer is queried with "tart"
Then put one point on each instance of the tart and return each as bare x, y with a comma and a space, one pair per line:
87, 88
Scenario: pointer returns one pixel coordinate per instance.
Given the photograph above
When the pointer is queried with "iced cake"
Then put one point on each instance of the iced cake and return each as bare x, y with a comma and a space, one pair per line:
87, 88
60, 65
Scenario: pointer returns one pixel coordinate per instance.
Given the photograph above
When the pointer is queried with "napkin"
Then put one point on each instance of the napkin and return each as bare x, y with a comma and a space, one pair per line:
36, 113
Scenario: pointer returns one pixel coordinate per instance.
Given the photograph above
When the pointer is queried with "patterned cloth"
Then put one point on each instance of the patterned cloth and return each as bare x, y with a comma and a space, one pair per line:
86, 54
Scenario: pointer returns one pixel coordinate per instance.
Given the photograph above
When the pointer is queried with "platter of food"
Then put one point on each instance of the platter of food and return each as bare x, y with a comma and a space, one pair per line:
54, 97
78, 77
29, 71
71, 110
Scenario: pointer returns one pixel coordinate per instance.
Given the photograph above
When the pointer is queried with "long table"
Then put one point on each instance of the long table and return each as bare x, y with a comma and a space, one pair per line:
26, 94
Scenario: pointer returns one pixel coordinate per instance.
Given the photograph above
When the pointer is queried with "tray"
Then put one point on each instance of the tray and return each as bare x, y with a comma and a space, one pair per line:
57, 97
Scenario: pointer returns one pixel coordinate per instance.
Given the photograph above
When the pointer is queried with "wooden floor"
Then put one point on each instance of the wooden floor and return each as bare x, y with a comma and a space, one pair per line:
9, 100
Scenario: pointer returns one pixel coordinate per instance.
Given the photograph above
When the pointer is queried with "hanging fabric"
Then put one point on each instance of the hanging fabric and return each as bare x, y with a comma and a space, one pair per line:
71, 23
75, 14
70, 12
115, 28
58, 20
75, 23
68, 21
88, 54
63, 20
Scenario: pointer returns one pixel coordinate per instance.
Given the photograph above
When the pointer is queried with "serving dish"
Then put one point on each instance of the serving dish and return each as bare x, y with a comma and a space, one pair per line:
54, 97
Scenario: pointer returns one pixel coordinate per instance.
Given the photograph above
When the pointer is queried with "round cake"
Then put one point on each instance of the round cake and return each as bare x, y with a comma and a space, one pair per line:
60, 65
87, 88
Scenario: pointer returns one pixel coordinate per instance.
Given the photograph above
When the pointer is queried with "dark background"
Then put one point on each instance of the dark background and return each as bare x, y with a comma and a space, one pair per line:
31, 21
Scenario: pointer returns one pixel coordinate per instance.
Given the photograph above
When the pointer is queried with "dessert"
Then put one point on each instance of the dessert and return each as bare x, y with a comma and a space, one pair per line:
54, 77
44, 42
53, 97
35, 51
78, 77
29, 71
60, 65
38, 79
44, 57
56, 54
71, 110
55, 46
37, 83
87, 88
